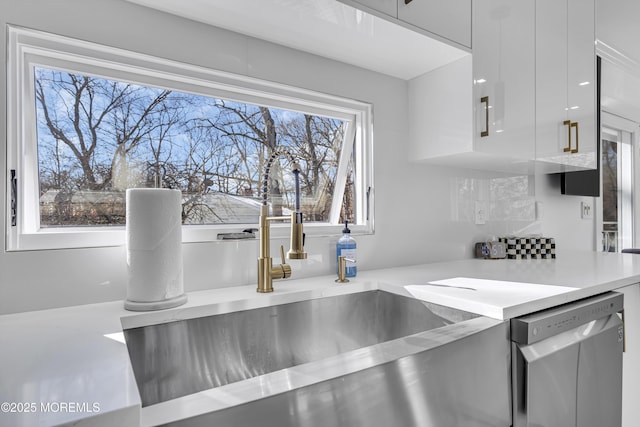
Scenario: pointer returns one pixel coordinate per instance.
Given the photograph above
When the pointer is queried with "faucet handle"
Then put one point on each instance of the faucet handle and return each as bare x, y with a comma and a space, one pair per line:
284, 267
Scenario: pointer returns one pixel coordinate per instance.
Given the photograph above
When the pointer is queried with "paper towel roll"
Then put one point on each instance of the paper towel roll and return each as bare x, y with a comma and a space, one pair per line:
154, 249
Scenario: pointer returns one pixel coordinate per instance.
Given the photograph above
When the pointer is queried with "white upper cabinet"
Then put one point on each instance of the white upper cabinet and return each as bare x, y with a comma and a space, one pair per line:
441, 114
617, 34
479, 112
388, 7
533, 103
566, 137
448, 21
503, 78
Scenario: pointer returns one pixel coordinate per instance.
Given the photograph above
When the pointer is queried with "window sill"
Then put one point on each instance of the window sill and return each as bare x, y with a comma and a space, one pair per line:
80, 238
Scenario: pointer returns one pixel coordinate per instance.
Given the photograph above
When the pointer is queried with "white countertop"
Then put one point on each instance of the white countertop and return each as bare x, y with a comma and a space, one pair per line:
589, 273
64, 365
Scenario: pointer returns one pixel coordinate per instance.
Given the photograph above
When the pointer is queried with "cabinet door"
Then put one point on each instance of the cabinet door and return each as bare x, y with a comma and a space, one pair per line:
503, 74
581, 79
551, 78
388, 7
565, 84
450, 19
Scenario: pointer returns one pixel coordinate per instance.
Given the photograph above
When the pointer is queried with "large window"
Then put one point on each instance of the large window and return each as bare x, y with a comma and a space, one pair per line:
92, 121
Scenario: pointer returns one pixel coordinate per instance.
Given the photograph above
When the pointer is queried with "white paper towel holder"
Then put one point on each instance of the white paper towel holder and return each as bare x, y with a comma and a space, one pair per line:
156, 213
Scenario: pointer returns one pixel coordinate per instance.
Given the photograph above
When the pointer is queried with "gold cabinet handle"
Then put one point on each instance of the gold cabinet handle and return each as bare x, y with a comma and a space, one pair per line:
485, 100
567, 123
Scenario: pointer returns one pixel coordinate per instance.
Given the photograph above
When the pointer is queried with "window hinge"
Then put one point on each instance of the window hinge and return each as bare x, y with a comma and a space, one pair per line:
14, 198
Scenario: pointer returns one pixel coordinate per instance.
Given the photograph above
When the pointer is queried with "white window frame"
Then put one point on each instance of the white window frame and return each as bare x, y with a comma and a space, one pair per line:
30, 48
628, 182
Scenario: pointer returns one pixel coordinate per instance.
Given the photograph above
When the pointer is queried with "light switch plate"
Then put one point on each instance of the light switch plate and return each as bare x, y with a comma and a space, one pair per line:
480, 213
586, 210
539, 210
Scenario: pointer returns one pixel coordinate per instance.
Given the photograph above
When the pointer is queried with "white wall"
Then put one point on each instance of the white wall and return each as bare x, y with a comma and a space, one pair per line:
422, 213
561, 216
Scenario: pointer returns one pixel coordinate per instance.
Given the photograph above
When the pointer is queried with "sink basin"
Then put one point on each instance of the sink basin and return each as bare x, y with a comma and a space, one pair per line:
320, 345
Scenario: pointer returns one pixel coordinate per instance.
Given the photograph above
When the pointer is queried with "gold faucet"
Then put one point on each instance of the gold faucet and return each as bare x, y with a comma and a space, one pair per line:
266, 271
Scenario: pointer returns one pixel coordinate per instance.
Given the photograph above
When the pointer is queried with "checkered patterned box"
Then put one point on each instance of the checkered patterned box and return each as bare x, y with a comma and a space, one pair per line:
530, 247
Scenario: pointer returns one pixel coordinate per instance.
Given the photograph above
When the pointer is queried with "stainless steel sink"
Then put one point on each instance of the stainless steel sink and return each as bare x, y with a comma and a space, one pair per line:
343, 347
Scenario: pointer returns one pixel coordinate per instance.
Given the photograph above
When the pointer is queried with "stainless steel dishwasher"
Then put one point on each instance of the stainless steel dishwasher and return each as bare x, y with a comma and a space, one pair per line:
567, 365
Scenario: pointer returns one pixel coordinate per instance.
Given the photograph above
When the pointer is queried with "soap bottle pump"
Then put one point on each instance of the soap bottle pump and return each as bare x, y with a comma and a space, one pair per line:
346, 247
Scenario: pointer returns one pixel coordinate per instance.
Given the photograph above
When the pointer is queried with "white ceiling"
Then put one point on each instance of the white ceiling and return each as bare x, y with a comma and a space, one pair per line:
322, 27
619, 28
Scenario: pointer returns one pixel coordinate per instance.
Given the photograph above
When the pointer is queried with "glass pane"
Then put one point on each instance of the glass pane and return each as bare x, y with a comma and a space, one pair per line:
348, 208
609, 195
97, 137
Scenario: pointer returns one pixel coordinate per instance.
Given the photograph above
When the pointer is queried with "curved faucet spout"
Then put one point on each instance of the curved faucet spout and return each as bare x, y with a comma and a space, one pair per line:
266, 271
295, 168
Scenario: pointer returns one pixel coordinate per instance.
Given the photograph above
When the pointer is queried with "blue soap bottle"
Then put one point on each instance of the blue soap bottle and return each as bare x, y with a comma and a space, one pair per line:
346, 246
